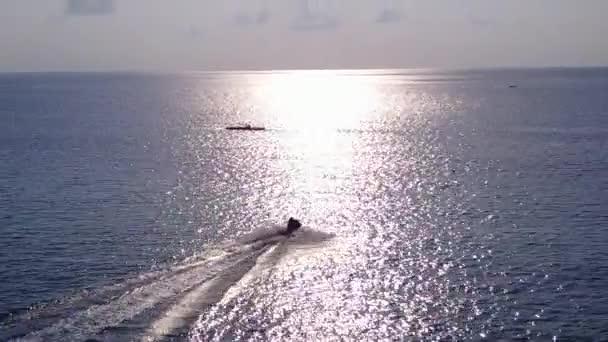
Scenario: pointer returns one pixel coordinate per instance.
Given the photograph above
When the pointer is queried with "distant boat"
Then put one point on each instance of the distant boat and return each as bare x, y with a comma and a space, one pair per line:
512, 85
245, 128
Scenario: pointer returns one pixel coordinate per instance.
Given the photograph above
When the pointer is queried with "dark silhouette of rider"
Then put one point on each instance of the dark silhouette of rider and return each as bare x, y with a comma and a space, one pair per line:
292, 225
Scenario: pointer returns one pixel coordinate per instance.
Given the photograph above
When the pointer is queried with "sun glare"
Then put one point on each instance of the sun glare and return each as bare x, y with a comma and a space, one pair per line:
317, 114
317, 100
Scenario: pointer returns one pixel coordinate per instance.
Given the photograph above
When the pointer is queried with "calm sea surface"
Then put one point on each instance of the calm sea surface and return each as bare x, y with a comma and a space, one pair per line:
436, 206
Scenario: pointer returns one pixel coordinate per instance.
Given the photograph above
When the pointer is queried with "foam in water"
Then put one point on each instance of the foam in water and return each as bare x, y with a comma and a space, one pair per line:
159, 304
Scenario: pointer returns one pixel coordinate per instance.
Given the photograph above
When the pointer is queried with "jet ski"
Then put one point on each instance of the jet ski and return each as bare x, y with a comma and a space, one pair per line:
292, 226
245, 128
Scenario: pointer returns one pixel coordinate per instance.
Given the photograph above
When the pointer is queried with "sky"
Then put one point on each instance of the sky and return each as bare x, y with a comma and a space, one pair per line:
163, 35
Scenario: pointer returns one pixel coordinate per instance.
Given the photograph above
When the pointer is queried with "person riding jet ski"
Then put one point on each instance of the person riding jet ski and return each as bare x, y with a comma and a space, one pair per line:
292, 226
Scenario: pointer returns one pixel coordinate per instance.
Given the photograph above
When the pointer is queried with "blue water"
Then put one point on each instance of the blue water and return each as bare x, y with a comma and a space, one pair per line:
437, 205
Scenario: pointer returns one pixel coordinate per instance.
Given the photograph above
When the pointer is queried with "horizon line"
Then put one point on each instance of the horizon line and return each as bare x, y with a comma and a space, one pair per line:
277, 70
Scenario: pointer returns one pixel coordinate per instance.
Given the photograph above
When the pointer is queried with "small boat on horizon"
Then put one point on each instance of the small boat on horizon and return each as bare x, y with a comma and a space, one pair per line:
245, 128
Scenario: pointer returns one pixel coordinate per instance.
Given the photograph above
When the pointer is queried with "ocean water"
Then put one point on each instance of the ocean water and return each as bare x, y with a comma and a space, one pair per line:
437, 205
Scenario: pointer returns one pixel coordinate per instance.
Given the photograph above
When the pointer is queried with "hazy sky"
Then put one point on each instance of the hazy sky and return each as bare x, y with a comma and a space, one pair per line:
278, 34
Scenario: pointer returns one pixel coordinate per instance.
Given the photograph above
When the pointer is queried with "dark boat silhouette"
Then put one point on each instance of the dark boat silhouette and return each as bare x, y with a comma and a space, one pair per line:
245, 128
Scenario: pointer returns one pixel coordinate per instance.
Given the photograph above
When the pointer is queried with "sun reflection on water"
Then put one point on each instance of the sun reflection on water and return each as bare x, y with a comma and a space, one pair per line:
317, 100
390, 268
315, 114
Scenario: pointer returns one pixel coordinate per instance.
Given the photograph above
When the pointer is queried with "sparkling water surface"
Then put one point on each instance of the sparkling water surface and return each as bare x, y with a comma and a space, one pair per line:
436, 206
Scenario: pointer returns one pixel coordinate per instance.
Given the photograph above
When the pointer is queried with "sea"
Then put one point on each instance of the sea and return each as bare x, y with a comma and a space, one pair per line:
437, 205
